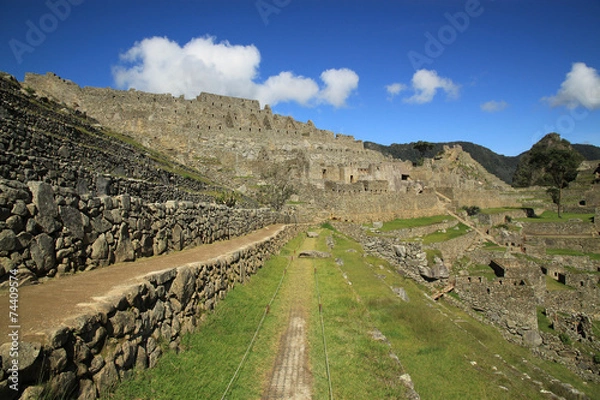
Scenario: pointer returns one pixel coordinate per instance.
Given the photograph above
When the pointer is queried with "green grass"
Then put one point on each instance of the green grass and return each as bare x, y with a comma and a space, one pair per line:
554, 285
414, 222
432, 254
571, 252
212, 354
447, 353
493, 247
499, 210
437, 343
552, 216
482, 270
361, 368
544, 323
450, 233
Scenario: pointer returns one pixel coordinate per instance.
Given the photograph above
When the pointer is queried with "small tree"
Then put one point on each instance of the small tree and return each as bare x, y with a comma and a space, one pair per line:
560, 168
422, 147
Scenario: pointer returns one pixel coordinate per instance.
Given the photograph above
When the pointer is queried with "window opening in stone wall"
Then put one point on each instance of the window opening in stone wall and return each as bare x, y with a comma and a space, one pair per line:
351, 178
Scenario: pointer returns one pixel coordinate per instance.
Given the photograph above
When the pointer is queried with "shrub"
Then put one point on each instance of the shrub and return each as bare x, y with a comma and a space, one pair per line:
472, 210
566, 339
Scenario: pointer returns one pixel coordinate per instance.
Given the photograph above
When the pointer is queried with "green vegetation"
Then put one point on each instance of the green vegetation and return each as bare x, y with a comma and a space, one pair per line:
432, 254
482, 270
471, 210
501, 166
554, 285
551, 162
414, 222
212, 355
552, 216
444, 350
327, 225
566, 339
571, 252
544, 323
452, 233
493, 247
497, 210
443, 356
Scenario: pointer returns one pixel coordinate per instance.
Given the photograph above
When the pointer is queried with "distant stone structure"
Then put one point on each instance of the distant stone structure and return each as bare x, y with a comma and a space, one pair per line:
233, 140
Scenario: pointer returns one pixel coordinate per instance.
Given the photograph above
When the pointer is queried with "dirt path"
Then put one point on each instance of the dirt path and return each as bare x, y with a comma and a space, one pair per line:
46, 305
291, 376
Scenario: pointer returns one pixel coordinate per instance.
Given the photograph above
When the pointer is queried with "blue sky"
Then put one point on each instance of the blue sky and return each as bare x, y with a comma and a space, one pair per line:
498, 73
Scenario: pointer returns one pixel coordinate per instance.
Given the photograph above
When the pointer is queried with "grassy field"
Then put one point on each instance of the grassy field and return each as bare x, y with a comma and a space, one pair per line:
447, 353
552, 216
414, 222
451, 233
571, 252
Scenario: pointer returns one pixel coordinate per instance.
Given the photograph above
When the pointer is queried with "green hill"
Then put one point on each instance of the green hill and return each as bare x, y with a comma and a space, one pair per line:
502, 166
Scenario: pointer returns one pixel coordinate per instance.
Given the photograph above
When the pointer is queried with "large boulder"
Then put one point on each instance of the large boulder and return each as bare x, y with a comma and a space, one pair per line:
124, 251
435, 272
73, 220
8, 240
42, 253
42, 196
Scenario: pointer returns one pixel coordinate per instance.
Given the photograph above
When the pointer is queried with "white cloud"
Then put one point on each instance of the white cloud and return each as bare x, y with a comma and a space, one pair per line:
339, 84
425, 84
494, 106
394, 89
580, 88
287, 87
161, 65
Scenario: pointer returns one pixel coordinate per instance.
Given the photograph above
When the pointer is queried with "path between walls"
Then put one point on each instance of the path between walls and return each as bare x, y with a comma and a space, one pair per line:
291, 376
47, 305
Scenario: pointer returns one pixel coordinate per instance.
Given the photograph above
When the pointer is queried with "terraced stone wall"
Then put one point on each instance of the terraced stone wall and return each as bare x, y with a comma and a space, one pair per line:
131, 327
48, 230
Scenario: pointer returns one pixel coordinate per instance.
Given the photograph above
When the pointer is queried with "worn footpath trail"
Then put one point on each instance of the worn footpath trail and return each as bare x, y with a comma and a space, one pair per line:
291, 376
47, 305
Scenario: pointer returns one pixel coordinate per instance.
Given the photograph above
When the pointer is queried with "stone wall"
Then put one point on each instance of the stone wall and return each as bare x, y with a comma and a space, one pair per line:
132, 326
369, 206
47, 231
586, 245
490, 220
420, 231
456, 248
571, 228
507, 303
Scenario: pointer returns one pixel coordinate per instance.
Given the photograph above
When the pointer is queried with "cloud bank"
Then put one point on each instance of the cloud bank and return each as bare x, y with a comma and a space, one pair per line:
580, 88
494, 106
160, 65
425, 84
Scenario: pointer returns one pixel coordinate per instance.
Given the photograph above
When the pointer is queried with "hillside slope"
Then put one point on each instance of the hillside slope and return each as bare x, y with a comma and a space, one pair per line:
502, 166
41, 139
